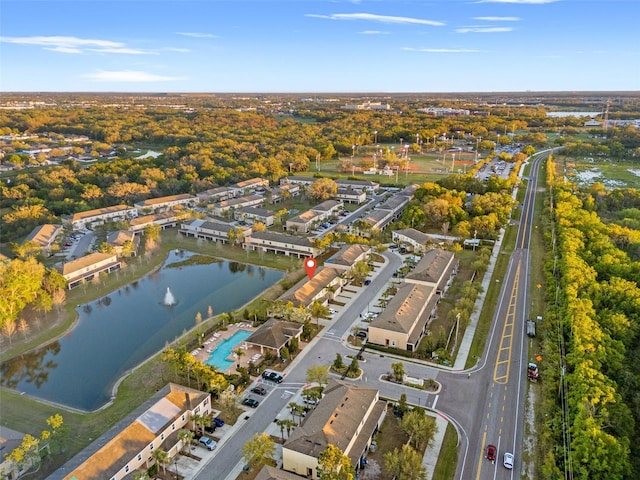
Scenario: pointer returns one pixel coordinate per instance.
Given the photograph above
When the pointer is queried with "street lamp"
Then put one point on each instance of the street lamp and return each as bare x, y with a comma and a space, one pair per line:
353, 151
175, 464
375, 136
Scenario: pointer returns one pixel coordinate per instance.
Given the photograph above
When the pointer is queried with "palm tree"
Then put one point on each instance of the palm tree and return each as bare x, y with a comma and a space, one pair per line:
162, 458
317, 309
186, 436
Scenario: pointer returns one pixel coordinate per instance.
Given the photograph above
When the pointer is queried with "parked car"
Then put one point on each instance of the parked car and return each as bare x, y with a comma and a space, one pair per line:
250, 402
491, 453
259, 389
273, 376
367, 282
208, 443
508, 460
361, 334
218, 422
210, 428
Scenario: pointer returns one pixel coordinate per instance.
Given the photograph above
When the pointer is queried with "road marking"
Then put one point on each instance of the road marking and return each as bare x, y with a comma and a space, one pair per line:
484, 441
435, 400
503, 358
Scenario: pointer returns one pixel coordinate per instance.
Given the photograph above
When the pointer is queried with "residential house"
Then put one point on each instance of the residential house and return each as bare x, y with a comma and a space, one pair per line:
274, 335
345, 258
253, 214
249, 186
99, 216
412, 239
284, 191
377, 220
119, 238
162, 204
304, 182
405, 319
304, 222
215, 195
44, 236
347, 417
328, 208
164, 220
351, 195
155, 425
88, 268
365, 185
325, 285
395, 204
436, 268
212, 230
289, 245
220, 208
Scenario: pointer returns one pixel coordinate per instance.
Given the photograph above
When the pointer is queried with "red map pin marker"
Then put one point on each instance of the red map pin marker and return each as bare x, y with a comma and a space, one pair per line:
310, 265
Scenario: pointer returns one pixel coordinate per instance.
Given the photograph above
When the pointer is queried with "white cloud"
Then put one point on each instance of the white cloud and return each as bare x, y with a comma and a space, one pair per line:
373, 32
441, 50
176, 49
377, 18
123, 50
196, 34
128, 76
484, 29
498, 19
75, 45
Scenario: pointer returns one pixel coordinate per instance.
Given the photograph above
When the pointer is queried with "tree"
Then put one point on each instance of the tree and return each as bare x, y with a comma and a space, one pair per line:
259, 451
398, 371
318, 374
333, 464
186, 437
162, 459
338, 363
317, 309
404, 464
360, 270
419, 427
354, 368
323, 189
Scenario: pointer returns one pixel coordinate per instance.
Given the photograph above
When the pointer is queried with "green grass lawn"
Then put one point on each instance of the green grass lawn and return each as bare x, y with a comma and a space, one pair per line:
448, 457
612, 173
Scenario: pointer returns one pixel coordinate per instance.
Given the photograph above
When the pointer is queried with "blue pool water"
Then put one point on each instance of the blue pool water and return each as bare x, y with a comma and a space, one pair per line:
218, 357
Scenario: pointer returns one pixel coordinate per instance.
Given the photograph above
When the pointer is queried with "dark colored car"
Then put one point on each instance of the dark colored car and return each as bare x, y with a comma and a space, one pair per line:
250, 402
367, 282
259, 389
210, 428
491, 453
272, 376
218, 422
361, 334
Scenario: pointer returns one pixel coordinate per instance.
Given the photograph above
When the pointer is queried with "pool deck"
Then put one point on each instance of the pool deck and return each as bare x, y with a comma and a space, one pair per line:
202, 354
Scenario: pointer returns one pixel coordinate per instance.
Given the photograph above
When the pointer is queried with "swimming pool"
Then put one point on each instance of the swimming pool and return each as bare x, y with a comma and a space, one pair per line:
218, 358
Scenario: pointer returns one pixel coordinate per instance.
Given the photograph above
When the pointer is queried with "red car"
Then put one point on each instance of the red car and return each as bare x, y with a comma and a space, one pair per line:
491, 453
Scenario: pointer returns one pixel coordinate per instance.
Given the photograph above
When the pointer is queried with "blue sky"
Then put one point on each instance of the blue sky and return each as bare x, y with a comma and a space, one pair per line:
319, 46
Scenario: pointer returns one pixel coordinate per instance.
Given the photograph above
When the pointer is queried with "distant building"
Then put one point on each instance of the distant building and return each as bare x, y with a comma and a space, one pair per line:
88, 268
220, 208
119, 239
253, 214
415, 240
282, 244
100, 215
166, 203
44, 236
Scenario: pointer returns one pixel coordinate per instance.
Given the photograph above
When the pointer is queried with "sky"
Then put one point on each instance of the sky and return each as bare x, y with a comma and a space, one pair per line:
319, 46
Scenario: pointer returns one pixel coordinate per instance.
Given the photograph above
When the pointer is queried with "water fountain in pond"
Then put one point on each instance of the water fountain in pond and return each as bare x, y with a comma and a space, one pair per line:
169, 299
